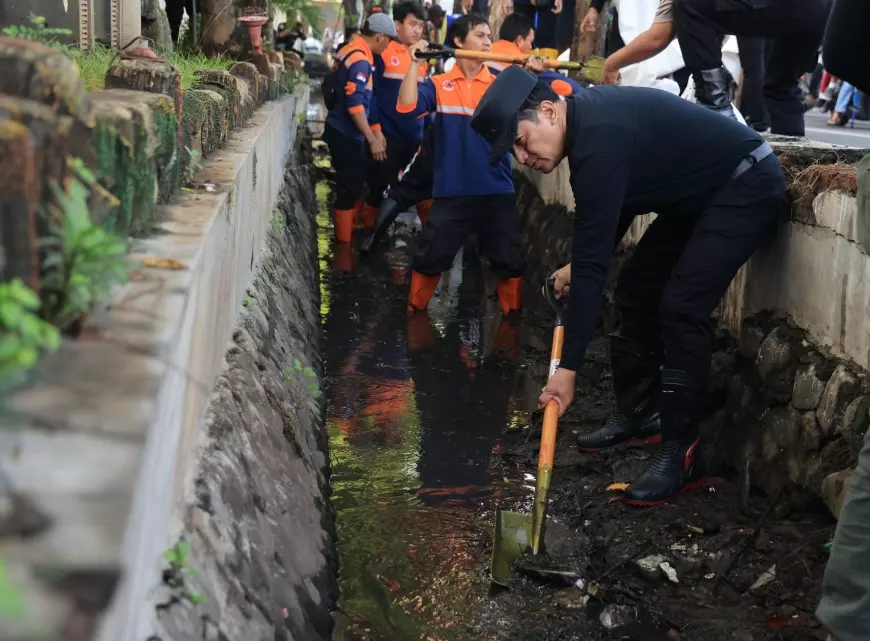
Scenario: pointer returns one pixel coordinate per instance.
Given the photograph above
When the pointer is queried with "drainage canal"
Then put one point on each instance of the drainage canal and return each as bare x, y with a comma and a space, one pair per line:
431, 424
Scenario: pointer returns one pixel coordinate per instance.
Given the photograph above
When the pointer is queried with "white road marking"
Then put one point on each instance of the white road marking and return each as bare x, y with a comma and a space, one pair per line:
864, 133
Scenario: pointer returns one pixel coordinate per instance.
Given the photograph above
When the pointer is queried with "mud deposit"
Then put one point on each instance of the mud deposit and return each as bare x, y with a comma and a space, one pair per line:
744, 568
432, 423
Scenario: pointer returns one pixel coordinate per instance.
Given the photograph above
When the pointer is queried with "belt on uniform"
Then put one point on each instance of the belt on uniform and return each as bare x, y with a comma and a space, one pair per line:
758, 154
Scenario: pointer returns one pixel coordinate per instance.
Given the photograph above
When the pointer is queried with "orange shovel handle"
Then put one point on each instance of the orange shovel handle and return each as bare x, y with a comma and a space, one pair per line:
551, 412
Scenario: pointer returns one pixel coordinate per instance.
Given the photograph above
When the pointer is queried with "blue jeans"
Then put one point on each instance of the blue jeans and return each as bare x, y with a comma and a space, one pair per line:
847, 95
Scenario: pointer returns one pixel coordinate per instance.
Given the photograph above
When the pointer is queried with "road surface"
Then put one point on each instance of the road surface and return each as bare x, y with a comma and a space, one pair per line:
816, 129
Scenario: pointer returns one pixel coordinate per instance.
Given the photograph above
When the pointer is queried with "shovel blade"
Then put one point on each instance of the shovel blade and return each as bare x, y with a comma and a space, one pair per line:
513, 535
593, 69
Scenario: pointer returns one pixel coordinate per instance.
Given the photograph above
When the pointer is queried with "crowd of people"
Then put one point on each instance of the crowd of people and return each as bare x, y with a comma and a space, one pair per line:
402, 134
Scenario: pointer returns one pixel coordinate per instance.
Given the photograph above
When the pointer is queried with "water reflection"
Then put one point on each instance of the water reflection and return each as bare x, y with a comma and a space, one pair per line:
416, 408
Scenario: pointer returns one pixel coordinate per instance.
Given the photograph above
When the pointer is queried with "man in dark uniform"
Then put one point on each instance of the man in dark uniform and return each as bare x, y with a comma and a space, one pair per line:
718, 191
795, 28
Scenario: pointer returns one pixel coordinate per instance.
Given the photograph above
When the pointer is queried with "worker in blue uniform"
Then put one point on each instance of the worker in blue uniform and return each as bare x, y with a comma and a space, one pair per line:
348, 124
515, 38
403, 135
718, 192
469, 195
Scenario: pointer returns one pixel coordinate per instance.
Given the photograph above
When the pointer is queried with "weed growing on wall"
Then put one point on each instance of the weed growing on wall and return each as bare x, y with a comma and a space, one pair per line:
179, 571
11, 597
277, 222
23, 334
250, 299
82, 260
303, 373
93, 65
37, 31
193, 165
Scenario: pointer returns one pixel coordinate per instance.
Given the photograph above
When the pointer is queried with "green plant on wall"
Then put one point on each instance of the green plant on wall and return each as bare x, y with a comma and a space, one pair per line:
23, 334
11, 597
179, 571
308, 376
250, 299
37, 31
193, 165
82, 261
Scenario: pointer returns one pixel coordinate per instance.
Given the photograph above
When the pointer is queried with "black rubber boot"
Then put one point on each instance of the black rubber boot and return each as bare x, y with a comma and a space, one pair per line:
711, 91
635, 374
387, 214
678, 466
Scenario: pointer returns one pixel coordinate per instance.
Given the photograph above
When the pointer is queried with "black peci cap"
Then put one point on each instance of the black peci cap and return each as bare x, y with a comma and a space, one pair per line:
496, 115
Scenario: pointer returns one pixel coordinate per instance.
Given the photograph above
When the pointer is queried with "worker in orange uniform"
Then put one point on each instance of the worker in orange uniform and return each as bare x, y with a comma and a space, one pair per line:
469, 194
347, 124
415, 187
403, 135
516, 38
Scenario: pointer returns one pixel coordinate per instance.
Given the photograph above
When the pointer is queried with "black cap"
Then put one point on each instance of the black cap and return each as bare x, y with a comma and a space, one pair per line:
496, 115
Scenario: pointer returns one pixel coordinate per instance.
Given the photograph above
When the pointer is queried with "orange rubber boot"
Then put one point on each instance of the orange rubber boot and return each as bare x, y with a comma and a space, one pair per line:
344, 220
423, 209
506, 339
357, 213
422, 288
509, 294
369, 215
420, 332
343, 260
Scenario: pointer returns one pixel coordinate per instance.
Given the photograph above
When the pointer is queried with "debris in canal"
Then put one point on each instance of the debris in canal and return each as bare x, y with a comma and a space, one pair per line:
766, 577
547, 569
617, 616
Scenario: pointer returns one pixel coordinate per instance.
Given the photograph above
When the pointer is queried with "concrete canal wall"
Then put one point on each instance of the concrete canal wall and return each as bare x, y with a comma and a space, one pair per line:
165, 473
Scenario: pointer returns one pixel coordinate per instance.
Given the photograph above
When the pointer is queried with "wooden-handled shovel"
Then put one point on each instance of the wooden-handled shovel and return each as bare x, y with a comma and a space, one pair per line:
516, 532
590, 70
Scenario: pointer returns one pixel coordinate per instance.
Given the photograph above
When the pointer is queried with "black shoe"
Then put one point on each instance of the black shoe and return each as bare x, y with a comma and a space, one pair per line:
712, 91
622, 429
678, 466
635, 374
387, 214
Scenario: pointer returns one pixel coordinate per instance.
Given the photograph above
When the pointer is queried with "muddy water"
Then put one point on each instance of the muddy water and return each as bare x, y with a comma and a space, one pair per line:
416, 413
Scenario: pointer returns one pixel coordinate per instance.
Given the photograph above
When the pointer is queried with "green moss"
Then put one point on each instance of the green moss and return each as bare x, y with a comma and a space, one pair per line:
229, 108
126, 165
114, 156
193, 115
167, 154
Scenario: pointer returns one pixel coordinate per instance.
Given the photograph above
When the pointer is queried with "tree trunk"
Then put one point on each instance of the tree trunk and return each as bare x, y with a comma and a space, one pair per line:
588, 44
498, 11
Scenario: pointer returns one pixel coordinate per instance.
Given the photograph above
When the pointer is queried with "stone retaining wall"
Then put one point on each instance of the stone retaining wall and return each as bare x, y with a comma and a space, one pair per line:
143, 437
789, 391
257, 517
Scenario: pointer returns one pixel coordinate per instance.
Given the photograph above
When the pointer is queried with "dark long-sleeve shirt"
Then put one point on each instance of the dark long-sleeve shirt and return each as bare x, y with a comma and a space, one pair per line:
631, 151
846, 43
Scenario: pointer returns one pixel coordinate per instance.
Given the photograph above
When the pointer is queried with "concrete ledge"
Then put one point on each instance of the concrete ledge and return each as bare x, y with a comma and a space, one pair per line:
106, 440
